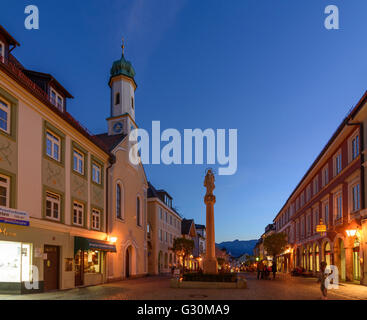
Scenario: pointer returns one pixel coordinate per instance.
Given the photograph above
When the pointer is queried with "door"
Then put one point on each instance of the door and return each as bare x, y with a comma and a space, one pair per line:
51, 268
127, 263
79, 268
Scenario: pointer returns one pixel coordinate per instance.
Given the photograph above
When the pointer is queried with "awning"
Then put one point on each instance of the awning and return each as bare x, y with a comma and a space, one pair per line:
81, 243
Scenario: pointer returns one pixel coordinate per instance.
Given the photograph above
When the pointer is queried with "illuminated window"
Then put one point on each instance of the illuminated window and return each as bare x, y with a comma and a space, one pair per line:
53, 146
53, 206
92, 261
4, 191
78, 214
4, 116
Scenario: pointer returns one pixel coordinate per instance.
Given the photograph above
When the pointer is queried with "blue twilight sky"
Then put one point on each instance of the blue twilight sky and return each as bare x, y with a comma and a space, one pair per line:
268, 68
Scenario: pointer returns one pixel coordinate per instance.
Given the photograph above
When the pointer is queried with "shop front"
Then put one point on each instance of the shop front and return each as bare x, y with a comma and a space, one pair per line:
90, 260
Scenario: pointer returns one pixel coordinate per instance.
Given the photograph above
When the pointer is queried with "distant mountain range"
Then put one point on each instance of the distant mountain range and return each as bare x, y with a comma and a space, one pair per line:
237, 248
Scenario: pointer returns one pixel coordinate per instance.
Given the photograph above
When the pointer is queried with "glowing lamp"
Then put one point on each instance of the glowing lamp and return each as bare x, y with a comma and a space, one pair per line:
351, 232
112, 239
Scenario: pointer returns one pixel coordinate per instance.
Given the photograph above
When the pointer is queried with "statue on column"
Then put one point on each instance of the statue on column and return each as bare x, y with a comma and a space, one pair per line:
210, 264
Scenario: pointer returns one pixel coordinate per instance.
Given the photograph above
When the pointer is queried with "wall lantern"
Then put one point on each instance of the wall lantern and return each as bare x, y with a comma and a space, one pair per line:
351, 232
112, 239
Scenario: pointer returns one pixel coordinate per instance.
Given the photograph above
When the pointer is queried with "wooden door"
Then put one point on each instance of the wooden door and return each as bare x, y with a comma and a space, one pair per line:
51, 268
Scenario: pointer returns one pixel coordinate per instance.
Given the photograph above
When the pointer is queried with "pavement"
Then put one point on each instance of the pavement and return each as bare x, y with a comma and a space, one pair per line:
284, 287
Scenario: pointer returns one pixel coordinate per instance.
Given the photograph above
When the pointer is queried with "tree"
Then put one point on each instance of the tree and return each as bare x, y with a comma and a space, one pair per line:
183, 247
275, 243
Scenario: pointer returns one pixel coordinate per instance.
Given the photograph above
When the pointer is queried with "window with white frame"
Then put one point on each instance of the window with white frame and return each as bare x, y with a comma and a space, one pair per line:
57, 100
4, 191
53, 206
355, 197
78, 162
2, 51
4, 116
78, 214
96, 219
96, 173
354, 146
53, 146
338, 206
325, 176
337, 163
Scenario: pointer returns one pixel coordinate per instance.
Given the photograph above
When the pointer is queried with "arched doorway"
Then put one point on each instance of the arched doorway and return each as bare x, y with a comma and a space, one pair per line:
304, 255
356, 262
317, 258
339, 256
298, 262
128, 262
310, 258
327, 253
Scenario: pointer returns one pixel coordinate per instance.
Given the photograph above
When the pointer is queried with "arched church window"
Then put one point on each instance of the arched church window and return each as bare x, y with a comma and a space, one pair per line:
119, 201
117, 98
138, 214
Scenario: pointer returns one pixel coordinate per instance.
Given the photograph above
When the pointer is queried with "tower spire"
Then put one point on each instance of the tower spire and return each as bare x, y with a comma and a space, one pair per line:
123, 45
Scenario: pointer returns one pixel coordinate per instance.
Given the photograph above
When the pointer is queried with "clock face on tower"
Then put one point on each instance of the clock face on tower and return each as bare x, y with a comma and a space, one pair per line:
117, 127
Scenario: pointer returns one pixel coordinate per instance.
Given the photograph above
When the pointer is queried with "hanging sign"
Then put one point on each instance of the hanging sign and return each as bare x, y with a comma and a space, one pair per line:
12, 216
321, 227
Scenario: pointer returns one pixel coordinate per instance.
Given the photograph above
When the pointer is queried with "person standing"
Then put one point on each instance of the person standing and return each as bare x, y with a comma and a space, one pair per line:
321, 280
274, 269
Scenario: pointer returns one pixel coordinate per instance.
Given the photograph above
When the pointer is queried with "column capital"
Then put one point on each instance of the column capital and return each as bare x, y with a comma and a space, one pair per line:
209, 198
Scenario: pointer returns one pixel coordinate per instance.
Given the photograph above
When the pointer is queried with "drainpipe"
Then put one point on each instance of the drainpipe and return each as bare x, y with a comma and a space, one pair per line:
111, 161
361, 145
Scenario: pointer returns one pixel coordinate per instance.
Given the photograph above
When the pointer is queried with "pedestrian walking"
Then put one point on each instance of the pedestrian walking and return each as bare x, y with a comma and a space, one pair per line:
321, 280
274, 269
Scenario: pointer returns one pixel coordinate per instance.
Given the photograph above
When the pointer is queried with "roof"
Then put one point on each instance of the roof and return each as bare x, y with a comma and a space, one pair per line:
186, 225
199, 226
8, 37
353, 112
152, 192
50, 78
110, 141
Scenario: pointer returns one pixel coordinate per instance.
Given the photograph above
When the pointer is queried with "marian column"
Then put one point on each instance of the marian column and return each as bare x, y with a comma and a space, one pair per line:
210, 263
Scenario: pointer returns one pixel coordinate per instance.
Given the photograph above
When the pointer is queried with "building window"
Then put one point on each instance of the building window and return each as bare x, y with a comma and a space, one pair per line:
78, 162
78, 214
96, 219
2, 51
354, 143
160, 213
117, 98
96, 173
160, 235
326, 214
57, 100
53, 209
118, 201
166, 216
53, 146
337, 163
138, 211
315, 185
325, 176
4, 116
302, 199
132, 103
308, 193
170, 220
338, 206
4, 191
355, 198
309, 224
166, 237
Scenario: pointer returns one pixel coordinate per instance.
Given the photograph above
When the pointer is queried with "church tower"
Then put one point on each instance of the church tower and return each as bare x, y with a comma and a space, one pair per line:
123, 86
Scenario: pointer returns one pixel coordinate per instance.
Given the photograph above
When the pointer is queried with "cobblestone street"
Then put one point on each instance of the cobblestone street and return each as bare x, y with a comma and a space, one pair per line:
157, 288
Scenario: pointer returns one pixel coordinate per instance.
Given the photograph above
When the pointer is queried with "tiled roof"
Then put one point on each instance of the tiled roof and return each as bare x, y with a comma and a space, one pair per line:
111, 141
186, 226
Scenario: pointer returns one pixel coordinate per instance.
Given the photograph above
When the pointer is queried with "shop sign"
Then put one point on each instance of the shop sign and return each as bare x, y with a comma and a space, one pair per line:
321, 228
6, 233
12, 216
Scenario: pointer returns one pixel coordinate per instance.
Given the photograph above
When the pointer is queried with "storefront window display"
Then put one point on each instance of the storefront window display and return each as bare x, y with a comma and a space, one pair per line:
15, 261
92, 261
